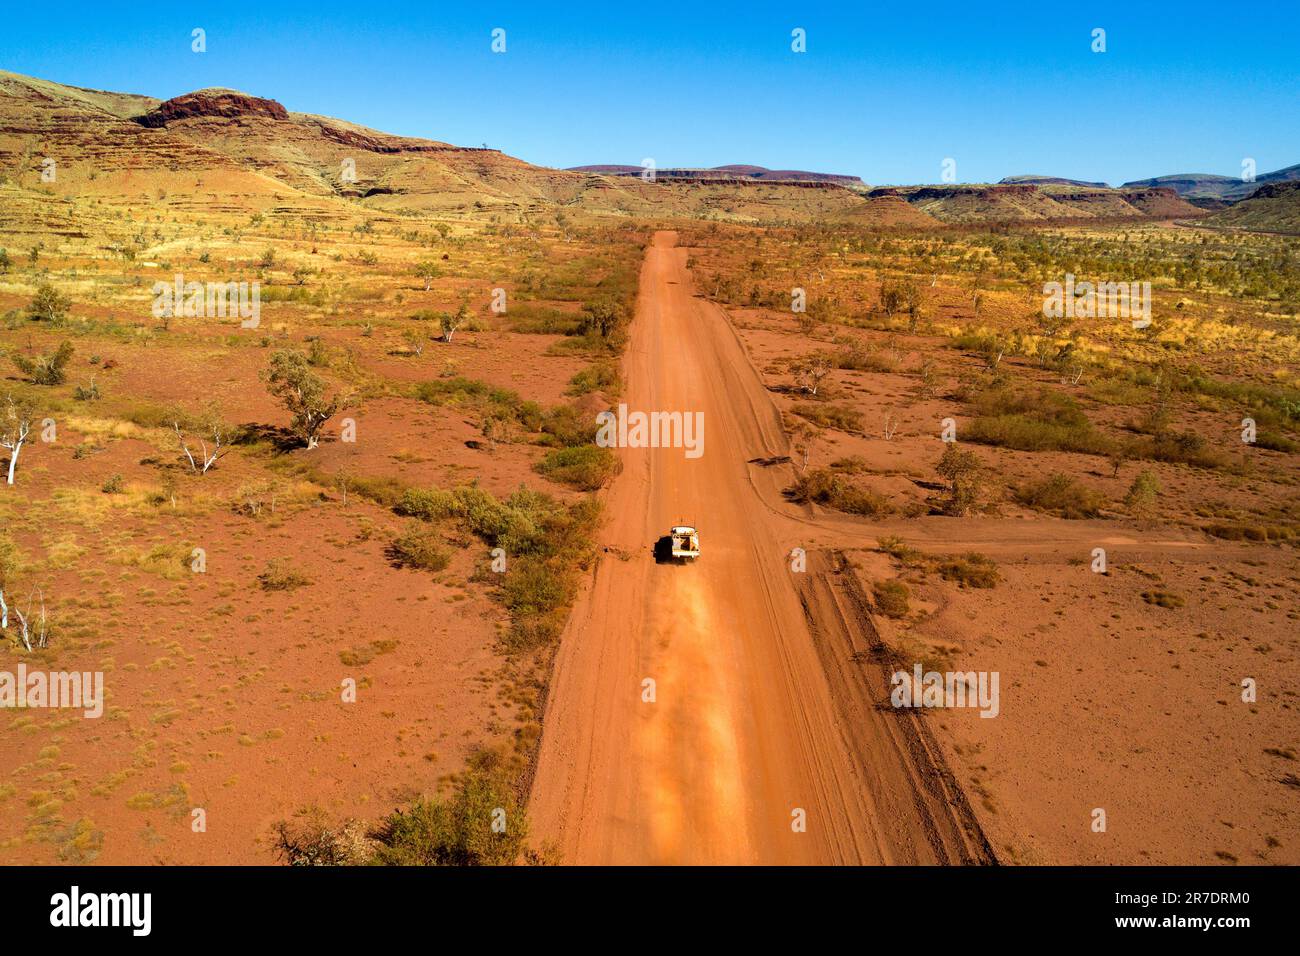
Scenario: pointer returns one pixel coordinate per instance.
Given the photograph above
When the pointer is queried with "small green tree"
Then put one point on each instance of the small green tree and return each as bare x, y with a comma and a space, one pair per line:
48, 305
891, 297
46, 369
450, 323
15, 426
318, 354
1142, 494
913, 299
428, 271
975, 289
962, 470
809, 372
415, 340
290, 379
603, 318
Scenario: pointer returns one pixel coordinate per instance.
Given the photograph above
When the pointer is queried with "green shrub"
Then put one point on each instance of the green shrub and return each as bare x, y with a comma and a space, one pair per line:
532, 319
1061, 495
535, 586
546, 543
457, 831
318, 354
830, 416
148, 415
585, 344
431, 504
489, 400
893, 546
1163, 599
292, 293
48, 305
970, 570
1040, 421
586, 467
892, 598
1142, 494
11, 560
605, 317
1276, 442
861, 359
46, 369
1186, 448
86, 393
280, 575
384, 490
564, 426
964, 473
856, 500
523, 523
826, 487
1028, 433
1251, 532
601, 376
420, 547
853, 465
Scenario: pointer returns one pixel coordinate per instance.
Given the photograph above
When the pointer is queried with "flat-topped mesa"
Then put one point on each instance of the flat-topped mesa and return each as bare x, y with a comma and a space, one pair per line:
229, 104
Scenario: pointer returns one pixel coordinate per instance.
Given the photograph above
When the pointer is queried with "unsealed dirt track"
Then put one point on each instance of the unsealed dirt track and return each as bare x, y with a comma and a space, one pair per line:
767, 683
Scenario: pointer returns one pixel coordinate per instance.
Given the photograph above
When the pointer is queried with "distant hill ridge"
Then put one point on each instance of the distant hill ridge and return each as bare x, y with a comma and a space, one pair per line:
1027, 202
1273, 207
1050, 181
1223, 189
736, 171
223, 152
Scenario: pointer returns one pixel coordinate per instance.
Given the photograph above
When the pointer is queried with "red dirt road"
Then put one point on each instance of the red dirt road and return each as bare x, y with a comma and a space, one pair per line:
761, 709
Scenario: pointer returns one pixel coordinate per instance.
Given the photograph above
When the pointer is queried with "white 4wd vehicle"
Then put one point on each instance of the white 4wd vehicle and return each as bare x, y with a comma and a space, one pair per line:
686, 543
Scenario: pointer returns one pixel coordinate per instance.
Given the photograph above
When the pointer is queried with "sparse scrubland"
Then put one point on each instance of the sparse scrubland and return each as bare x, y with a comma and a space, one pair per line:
381, 484
368, 442
1076, 502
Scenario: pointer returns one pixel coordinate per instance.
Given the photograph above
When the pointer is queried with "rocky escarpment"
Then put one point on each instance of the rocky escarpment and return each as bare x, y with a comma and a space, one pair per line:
728, 174
1273, 207
1276, 190
1021, 202
923, 193
1158, 202
226, 104
354, 138
680, 179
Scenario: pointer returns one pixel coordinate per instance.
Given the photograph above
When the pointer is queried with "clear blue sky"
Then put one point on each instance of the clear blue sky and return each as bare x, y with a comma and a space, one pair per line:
885, 91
